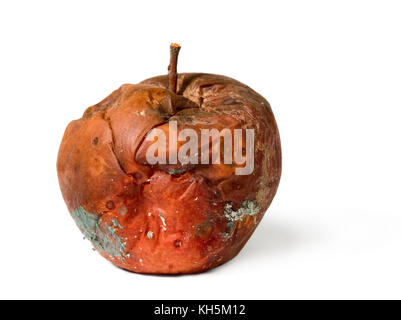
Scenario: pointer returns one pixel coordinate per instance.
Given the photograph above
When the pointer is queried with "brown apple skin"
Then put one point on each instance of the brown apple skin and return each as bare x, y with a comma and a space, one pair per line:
167, 219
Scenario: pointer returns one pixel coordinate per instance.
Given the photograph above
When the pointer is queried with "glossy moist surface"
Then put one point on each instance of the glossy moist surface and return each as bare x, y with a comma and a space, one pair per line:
167, 219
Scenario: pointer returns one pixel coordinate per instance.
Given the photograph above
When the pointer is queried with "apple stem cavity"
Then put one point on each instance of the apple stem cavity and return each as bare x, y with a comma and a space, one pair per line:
172, 68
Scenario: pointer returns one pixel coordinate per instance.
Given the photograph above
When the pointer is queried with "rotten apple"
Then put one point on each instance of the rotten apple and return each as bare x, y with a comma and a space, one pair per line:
194, 210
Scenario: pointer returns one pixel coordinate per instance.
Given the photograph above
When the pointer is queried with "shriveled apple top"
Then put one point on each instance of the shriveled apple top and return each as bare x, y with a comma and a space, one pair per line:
106, 146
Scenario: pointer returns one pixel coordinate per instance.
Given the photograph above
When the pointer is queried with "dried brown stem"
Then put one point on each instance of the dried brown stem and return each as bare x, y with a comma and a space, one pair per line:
172, 68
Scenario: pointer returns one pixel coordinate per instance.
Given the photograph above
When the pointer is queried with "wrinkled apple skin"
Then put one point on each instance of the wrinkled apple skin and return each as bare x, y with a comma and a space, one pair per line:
167, 219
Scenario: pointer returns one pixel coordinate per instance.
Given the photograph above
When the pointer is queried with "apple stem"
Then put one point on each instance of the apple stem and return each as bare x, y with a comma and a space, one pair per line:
172, 68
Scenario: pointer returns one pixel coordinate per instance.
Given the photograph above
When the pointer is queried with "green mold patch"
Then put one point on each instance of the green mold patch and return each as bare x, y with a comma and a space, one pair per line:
123, 210
87, 222
249, 207
230, 226
176, 172
107, 241
204, 229
116, 223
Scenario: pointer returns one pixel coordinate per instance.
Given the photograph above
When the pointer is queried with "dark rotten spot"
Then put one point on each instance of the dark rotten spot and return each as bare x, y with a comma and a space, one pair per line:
110, 205
138, 175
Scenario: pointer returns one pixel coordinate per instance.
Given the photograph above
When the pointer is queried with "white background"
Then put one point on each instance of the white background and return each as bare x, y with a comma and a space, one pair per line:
332, 73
